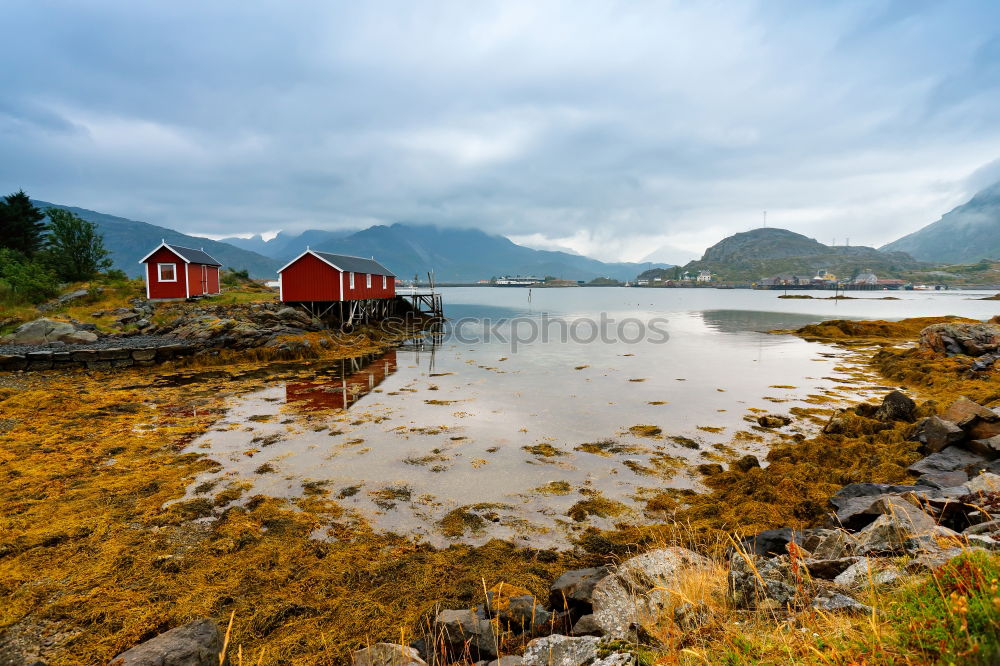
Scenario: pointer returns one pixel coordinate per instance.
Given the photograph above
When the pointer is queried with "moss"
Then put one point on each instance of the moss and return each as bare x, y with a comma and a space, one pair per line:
554, 488
543, 450
596, 505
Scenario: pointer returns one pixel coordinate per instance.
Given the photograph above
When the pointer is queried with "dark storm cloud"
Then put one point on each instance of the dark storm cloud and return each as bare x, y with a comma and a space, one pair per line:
610, 128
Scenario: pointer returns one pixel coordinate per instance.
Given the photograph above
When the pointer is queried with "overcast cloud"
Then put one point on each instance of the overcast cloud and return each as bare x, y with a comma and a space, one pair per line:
623, 130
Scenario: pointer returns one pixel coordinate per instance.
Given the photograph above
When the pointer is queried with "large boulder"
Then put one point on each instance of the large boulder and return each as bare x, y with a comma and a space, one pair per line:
952, 339
196, 643
636, 594
39, 332
387, 654
899, 522
558, 650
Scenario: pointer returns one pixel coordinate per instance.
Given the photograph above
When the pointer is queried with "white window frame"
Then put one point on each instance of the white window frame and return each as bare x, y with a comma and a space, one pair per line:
352, 280
385, 283
159, 272
368, 280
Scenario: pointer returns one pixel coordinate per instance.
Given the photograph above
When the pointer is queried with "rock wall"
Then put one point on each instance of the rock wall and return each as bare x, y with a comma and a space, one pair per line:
95, 359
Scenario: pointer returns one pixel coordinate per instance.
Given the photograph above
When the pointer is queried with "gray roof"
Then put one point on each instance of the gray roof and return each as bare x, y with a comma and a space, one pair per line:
194, 256
350, 264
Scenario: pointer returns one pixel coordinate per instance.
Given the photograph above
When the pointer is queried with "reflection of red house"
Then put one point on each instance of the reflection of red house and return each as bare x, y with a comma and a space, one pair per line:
358, 377
174, 272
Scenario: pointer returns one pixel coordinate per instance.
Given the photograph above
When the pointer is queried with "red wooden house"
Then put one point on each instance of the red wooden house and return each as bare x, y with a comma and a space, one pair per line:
322, 277
175, 272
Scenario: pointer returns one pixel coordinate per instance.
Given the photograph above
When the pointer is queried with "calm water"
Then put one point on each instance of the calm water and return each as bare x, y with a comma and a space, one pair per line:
496, 410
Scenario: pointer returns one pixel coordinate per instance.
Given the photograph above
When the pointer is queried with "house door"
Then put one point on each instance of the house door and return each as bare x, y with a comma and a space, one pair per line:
204, 279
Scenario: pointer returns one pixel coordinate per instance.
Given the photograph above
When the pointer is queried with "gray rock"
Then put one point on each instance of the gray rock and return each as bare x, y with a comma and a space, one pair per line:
65, 299
616, 659
461, 628
197, 643
988, 448
755, 582
575, 589
79, 338
943, 479
829, 569
387, 654
587, 626
984, 483
935, 434
837, 544
833, 602
983, 541
39, 332
895, 407
558, 650
854, 501
507, 660
526, 612
984, 528
900, 522
638, 591
949, 459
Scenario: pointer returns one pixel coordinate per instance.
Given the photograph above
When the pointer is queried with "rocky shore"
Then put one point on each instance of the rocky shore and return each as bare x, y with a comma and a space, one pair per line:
185, 330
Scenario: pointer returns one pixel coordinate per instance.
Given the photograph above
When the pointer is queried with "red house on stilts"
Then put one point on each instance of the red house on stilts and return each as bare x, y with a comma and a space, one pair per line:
175, 272
320, 281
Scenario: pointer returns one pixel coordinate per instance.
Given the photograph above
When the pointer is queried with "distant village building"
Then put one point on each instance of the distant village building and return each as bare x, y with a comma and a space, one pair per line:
175, 272
704, 276
866, 278
890, 284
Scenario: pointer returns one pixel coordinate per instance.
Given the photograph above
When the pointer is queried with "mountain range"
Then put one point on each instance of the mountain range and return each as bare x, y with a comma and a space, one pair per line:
454, 255
964, 235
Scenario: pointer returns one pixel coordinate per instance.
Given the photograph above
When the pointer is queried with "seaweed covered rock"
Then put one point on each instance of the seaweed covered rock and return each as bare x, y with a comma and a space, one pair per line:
463, 630
896, 406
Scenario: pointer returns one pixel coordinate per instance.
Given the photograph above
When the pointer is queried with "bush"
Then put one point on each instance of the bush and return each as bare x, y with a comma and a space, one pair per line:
26, 281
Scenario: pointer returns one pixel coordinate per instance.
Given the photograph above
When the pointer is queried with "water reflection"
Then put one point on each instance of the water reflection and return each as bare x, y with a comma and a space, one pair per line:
741, 321
357, 377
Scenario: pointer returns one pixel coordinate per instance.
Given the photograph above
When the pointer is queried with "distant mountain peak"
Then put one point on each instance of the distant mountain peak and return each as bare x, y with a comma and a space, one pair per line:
963, 235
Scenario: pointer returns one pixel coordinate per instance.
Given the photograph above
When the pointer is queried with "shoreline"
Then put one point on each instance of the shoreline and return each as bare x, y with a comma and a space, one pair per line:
168, 554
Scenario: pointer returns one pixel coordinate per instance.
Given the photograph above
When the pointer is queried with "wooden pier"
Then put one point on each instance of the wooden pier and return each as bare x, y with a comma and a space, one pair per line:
427, 303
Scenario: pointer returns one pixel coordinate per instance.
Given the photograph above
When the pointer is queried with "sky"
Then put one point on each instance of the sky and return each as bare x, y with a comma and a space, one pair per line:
634, 131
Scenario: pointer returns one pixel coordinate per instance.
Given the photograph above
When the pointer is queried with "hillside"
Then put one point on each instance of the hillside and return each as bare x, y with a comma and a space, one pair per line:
455, 255
760, 253
964, 235
130, 240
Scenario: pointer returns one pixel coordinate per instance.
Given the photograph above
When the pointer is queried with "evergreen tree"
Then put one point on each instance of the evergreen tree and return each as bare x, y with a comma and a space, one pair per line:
74, 250
21, 225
